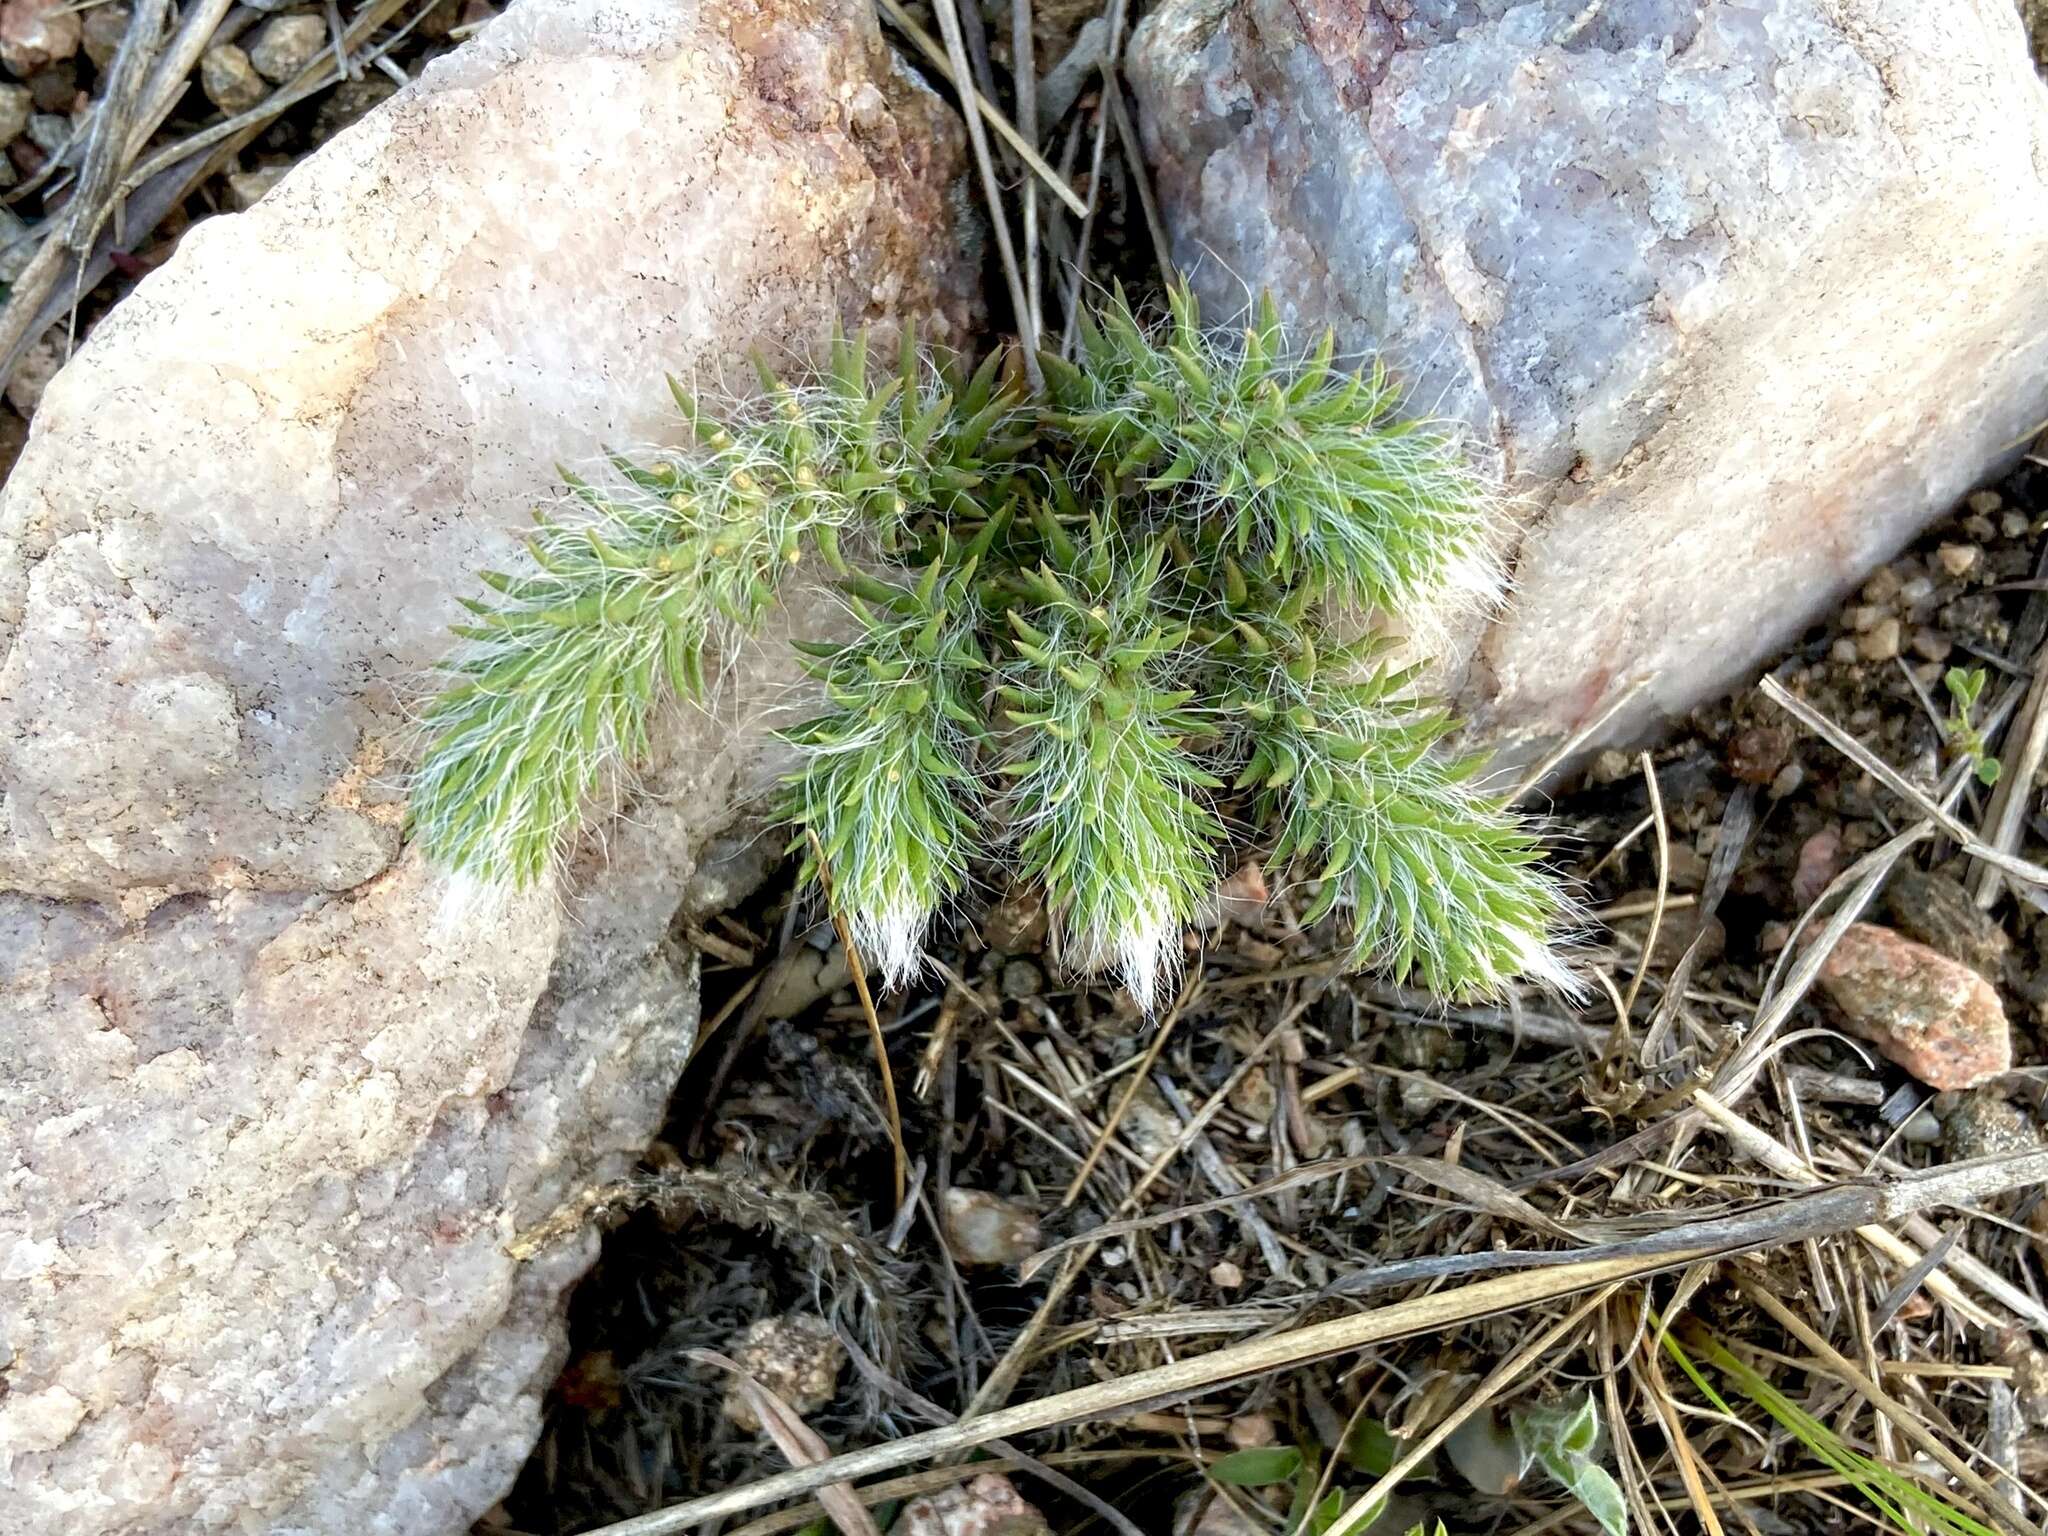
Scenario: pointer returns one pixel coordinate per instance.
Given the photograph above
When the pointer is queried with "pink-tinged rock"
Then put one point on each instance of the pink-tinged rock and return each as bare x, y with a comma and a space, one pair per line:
1820, 860
34, 33
1934, 1016
989, 1505
274, 1104
1739, 295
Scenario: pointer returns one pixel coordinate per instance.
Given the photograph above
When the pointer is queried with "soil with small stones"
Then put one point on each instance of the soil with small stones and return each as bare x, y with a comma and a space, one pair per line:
46, 100
1006, 1077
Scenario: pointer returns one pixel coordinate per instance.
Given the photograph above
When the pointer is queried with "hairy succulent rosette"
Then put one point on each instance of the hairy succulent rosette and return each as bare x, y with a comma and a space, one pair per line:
1307, 469
886, 783
1442, 882
1105, 784
652, 565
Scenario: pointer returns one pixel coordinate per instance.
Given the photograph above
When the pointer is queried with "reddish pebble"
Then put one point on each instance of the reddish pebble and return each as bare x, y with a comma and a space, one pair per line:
1820, 860
34, 33
1241, 897
1934, 1016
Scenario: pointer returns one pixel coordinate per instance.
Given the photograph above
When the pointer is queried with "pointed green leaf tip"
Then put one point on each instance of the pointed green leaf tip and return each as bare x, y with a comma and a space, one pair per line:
1058, 631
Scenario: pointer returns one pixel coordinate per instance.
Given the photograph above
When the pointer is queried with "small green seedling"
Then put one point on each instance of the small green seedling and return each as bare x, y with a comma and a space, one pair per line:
1563, 1438
1897, 1492
1102, 639
1370, 1451
1965, 687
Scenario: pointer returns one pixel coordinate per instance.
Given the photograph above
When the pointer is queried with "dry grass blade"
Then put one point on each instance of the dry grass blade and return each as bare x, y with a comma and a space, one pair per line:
1635, 982
1573, 744
1170, 1383
1781, 1160
2008, 864
867, 1008
2006, 815
1188, 994
1497, 1380
1902, 1417
937, 58
991, 189
798, 1442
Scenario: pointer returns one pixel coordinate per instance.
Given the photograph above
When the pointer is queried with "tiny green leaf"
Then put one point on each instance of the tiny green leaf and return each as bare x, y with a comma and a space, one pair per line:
1258, 1467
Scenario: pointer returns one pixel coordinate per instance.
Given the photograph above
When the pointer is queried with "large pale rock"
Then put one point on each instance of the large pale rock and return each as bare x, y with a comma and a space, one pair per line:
1742, 293
271, 1106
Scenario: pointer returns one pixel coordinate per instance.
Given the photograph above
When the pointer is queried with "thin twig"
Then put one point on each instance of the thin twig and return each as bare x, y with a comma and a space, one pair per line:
1907, 1421
2006, 815
1024, 68
936, 57
1123, 1104
1365, 1507
867, 1008
991, 189
1642, 969
1965, 839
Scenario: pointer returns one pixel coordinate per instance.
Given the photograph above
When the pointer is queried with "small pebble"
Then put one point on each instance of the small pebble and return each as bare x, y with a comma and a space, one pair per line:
986, 1229
1772, 938
1610, 767
286, 45
2013, 525
1958, 559
1789, 778
1980, 528
37, 32
15, 105
1241, 896
1843, 651
1982, 1123
1930, 644
1917, 591
1225, 1276
986, 1506
1921, 1128
49, 132
1881, 643
807, 975
1248, 1430
1254, 1097
1984, 503
55, 89
1861, 618
103, 29
1016, 923
1820, 860
246, 188
1882, 587
797, 1357
1934, 1016
1756, 753
1022, 979
230, 80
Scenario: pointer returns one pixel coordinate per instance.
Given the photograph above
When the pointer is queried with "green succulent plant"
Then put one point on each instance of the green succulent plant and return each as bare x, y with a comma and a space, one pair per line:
1092, 644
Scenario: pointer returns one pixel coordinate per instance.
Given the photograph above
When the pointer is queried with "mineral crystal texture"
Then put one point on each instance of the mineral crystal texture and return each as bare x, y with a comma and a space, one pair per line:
274, 1099
1738, 294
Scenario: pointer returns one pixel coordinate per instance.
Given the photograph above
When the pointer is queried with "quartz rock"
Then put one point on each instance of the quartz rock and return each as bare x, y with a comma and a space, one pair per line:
34, 33
275, 1100
1739, 296
230, 79
1934, 1016
286, 45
